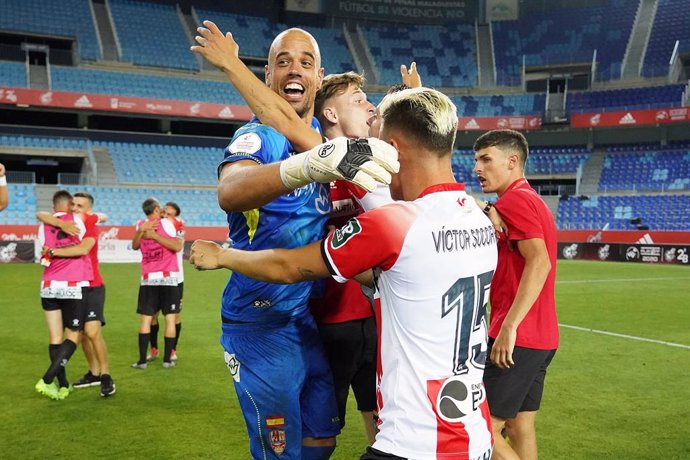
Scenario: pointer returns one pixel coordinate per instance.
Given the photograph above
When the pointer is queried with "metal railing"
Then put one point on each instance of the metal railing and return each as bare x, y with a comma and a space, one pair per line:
71, 179
21, 177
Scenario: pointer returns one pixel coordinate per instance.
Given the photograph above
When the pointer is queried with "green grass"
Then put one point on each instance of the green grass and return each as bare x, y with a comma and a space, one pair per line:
606, 397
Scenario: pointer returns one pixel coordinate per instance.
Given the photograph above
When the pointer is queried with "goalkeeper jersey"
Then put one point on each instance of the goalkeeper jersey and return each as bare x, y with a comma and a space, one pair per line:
290, 221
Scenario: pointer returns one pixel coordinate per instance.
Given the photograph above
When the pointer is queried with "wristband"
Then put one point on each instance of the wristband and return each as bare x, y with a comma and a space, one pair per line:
487, 208
3, 181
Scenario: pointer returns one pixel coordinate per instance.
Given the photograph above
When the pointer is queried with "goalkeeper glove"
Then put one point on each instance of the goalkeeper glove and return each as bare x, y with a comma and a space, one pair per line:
360, 161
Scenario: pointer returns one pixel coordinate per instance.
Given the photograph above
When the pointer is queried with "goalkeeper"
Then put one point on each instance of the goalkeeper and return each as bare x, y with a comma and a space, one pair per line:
271, 343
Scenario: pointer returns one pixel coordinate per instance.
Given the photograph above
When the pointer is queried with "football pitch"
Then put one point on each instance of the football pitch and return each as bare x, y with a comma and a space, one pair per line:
623, 396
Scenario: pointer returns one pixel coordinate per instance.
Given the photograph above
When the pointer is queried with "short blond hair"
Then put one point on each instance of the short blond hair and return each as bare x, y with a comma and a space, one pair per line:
424, 115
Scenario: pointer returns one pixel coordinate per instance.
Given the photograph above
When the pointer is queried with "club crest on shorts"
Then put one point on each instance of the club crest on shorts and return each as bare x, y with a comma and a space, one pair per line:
343, 235
276, 434
233, 366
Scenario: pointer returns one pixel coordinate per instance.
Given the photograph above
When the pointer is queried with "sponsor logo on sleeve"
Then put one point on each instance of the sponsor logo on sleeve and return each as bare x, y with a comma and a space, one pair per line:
246, 143
342, 235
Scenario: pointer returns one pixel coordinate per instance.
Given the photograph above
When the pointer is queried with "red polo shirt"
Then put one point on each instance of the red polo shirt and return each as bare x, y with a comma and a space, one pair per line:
526, 216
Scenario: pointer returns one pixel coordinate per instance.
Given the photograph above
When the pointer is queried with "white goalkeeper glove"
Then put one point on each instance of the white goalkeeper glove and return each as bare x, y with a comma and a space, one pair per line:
360, 161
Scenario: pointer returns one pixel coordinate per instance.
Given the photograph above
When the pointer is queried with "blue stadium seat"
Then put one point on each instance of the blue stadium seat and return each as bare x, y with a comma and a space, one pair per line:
562, 36
64, 18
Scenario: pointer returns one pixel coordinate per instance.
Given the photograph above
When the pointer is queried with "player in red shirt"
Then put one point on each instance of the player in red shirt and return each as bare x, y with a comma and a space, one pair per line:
523, 331
93, 343
435, 252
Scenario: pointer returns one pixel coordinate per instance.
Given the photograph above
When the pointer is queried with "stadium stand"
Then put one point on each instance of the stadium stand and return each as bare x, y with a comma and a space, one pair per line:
13, 74
546, 161
651, 169
139, 85
670, 24
658, 212
66, 18
43, 142
625, 99
123, 204
151, 34
22, 205
445, 55
157, 163
498, 105
254, 36
490, 106
564, 36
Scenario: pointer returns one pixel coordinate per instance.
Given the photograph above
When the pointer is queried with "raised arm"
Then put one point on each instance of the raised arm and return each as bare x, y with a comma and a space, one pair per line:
4, 193
223, 52
284, 266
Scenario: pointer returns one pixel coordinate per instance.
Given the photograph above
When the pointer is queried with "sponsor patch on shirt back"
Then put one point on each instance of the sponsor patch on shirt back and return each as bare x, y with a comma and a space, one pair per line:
246, 143
343, 234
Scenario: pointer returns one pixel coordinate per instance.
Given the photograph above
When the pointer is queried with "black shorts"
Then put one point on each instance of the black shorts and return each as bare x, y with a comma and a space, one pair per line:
159, 298
95, 303
351, 351
375, 454
73, 310
519, 388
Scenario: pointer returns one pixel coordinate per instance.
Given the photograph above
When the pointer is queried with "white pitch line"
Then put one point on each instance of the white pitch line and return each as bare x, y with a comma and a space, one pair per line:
625, 336
621, 280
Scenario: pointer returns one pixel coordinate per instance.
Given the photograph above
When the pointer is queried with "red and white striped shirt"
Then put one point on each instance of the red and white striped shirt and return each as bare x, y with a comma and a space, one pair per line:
437, 256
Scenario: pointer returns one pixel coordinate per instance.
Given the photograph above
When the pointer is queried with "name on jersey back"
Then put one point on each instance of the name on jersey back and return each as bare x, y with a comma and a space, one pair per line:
456, 240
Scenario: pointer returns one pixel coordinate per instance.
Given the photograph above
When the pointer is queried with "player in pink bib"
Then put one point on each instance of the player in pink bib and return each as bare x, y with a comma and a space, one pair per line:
161, 276
68, 270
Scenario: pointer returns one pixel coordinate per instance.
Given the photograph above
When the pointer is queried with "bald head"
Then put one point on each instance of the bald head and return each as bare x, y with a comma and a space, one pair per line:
289, 35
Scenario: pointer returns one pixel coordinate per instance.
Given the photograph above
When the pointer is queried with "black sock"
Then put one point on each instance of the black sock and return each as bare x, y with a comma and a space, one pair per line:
169, 343
178, 329
154, 335
60, 360
143, 345
62, 375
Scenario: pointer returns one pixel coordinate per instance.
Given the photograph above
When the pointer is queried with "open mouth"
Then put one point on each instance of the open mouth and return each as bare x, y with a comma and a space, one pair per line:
482, 180
293, 90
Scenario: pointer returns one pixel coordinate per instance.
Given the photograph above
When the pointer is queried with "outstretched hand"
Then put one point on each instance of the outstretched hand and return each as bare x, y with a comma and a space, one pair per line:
218, 49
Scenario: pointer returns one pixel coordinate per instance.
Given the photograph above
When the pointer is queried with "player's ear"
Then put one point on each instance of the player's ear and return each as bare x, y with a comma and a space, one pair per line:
267, 75
330, 114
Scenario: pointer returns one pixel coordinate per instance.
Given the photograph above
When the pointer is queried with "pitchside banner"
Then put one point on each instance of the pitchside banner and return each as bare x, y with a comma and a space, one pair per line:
411, 11
630, 118
517, 123
643, 253
16, 251
103, 103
